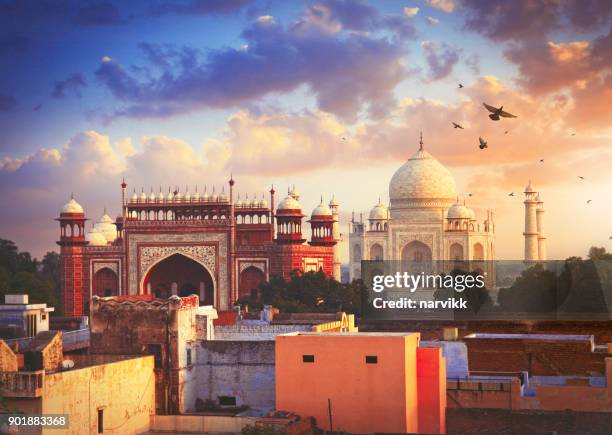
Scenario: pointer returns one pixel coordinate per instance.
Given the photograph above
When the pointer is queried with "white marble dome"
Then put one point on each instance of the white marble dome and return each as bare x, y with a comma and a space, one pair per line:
459, 211
72, 207
95, 238
107, 228
379, 212
289, 203
422, 177
321, 210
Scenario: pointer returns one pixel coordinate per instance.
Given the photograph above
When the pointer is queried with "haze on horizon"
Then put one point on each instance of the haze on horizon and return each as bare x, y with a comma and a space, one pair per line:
329, 95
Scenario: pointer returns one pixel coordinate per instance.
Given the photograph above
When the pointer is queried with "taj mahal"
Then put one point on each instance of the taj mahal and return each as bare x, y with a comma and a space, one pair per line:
425, 221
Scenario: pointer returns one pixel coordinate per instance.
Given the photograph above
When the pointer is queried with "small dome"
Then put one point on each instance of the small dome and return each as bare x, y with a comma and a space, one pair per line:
134, 197
160, 197
333, 202
222, 195
263, 203
106, 227
170, 196
152, 196
178, 197
321, 210
459, 211
214, 196
72, 207
187, 196
289, 203
379, 211
143, 197
196, 195
529, 189
95, 238
205, 195
239, 202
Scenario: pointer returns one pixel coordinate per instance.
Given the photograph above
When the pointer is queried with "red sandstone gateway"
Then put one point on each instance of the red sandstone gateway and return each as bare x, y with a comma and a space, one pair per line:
183, 243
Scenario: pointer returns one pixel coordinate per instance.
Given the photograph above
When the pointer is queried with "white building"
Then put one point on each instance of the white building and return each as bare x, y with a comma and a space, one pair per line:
21, 319
424, 222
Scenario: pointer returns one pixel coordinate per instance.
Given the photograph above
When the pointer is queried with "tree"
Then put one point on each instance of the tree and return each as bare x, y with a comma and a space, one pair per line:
20, 273
307, 292
477, 298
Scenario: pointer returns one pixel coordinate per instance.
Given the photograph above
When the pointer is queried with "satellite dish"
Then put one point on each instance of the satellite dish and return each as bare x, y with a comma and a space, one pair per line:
67, 364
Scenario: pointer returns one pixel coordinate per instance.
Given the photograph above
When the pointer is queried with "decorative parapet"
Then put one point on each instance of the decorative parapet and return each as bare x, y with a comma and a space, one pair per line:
22, 384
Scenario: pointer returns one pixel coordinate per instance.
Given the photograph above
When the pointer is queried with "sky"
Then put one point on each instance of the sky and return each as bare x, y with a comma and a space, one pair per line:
329, 95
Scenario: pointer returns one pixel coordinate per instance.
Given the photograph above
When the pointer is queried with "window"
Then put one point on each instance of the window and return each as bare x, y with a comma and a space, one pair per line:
188, 356
308, 358
227, 401
371, 359
100, 421
156, 351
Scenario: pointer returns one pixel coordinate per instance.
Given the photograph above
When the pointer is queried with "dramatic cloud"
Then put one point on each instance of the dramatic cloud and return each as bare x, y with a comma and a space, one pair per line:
443, 5
525, 20
71, 84
345, 72
440, 57
7, 103
98, 14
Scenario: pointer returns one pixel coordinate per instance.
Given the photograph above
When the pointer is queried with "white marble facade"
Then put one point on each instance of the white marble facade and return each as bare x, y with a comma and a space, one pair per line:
425, 221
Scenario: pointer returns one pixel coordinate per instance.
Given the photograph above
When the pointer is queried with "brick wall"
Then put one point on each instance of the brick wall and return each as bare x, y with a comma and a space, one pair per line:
545, 357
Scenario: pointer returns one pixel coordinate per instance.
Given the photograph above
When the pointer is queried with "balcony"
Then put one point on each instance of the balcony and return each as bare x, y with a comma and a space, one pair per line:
22, 384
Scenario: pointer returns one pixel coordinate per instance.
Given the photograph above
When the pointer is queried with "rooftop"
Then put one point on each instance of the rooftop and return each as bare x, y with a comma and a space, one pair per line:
545, 337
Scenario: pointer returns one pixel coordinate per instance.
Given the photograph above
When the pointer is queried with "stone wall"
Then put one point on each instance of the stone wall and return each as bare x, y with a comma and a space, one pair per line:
263, 332
8, 359
240, 369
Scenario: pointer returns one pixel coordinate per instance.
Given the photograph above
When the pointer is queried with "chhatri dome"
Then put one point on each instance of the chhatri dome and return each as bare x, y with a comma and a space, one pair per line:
321, 210
289, 203
72, 207
379, 211
95, 237
106, 227
422, 177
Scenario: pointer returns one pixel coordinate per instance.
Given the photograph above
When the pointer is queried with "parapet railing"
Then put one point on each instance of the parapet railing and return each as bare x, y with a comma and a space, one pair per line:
22, 384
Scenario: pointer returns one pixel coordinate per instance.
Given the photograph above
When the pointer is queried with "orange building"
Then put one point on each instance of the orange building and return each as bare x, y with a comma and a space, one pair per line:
362, 382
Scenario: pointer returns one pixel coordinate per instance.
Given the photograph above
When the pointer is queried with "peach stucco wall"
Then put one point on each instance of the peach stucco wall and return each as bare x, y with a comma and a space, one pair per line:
365, 398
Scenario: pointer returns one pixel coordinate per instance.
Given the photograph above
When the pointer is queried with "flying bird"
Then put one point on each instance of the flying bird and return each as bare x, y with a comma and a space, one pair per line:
511, 194
469, 194
497, 112
574, 134
589, 201
37, 107
506, 132
343, 138
541, 160
457, 125
483, 144
581, 177
460, 86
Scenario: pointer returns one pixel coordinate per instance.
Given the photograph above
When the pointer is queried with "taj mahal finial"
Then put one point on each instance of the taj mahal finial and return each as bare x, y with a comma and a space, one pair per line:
421, 142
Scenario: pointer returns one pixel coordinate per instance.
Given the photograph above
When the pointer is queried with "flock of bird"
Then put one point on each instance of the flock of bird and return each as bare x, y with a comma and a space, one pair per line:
496, 113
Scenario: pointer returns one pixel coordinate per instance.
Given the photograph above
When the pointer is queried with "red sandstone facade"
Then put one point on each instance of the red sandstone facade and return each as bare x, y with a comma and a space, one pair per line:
181, 244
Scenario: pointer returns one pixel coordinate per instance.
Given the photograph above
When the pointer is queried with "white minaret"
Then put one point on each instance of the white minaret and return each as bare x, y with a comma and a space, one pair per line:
540, 225
531, 226
333, 204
